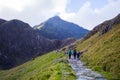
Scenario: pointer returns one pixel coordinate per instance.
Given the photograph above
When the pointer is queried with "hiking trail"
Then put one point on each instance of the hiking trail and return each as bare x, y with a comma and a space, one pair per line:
82, 72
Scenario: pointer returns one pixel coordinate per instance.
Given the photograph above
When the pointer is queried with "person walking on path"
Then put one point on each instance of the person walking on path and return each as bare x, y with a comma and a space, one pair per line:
78, 55
69, 53
74, 53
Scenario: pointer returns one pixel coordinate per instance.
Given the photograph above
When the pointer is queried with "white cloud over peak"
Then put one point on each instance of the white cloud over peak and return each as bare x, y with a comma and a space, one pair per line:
59, 5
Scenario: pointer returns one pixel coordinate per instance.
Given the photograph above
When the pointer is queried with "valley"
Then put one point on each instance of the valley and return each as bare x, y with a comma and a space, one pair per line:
27, 54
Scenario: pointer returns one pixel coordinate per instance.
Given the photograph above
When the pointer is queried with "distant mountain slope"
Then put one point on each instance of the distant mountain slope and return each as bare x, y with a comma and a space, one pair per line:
62, 43
56, 28
19, 43
102, 46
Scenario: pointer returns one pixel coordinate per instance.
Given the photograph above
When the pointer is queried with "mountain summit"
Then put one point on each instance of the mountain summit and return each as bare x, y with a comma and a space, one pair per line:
56, 28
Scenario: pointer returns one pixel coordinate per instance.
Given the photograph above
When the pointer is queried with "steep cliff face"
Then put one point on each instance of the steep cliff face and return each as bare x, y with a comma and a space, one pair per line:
56, 28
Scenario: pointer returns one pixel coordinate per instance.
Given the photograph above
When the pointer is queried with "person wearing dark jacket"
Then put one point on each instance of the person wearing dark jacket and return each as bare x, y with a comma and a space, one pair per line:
78, 55
74, 53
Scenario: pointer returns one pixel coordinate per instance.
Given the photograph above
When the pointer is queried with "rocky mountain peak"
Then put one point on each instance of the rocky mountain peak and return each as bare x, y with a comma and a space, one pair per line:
56, 28
56, 17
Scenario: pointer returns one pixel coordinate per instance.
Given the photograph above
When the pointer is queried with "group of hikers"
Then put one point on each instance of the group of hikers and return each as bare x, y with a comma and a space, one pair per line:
72, 52
76, 54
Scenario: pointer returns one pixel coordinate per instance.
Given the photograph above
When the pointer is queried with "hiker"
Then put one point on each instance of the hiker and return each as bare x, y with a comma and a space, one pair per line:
74, 53
69, 53
57, 50
78, 55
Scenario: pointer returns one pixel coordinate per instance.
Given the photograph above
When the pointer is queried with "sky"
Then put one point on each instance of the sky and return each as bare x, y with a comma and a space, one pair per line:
85, 13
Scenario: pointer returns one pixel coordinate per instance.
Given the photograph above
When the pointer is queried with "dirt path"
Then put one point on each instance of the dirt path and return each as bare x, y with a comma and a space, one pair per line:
82, 72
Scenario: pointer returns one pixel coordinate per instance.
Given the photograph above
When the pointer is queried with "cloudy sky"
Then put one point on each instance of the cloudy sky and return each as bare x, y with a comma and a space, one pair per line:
86, 13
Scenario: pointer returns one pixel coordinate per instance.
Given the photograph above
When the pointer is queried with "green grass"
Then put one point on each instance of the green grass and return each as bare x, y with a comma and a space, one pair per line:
103, 53
50, 66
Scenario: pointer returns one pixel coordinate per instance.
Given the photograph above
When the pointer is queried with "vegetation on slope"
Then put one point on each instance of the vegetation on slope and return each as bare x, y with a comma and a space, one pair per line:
103, 52
51, 66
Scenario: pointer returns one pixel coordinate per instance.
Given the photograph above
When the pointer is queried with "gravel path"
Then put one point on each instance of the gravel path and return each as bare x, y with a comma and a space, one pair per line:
82, 72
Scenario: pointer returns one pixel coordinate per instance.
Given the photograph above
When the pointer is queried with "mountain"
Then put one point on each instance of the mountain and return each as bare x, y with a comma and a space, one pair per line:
19, 43
56, 28
101, 47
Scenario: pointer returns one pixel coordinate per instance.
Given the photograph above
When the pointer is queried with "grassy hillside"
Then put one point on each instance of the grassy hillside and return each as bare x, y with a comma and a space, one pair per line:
51, 66
103, 52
